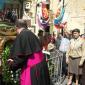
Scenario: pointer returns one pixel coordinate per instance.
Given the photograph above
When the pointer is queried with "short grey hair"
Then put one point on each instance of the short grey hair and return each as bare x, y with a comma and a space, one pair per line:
21, 23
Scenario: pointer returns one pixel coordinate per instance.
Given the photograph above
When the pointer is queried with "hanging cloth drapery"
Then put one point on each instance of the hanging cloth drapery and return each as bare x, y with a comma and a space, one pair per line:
42, 23
58, 19
43, 17
45, 10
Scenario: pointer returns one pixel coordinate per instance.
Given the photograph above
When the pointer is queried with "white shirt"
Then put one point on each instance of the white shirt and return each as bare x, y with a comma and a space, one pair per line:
64, 45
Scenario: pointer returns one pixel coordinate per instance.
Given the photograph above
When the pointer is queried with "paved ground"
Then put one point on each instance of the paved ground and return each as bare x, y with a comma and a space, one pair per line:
65, 82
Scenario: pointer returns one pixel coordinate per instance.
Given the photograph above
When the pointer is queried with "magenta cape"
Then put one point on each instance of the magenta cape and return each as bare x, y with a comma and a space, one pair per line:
25, 77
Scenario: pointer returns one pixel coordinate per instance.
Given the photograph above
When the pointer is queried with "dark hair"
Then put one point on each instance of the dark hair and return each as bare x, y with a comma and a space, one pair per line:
40, 33
75, 30
21, 23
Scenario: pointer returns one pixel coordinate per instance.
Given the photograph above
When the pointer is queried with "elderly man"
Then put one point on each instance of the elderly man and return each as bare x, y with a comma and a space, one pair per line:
26, 53
75, 55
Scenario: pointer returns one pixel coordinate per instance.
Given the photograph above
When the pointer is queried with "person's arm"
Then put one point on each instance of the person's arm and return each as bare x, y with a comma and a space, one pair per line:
67, 54
17, 62
83, 54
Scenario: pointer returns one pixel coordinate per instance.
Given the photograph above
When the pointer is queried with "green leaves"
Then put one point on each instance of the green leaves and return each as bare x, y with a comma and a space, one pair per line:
9, 77
5, 70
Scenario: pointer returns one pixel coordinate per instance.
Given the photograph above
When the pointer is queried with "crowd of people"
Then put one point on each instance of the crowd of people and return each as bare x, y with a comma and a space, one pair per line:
73, 48
26, 53
9, 16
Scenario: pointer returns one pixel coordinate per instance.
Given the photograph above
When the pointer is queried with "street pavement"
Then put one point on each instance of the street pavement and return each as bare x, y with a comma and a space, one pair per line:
65, 82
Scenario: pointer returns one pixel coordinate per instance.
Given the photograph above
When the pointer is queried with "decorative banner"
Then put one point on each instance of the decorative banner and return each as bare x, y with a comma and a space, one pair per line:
42, 23
58, 18
43, 17
61, 25
45, 10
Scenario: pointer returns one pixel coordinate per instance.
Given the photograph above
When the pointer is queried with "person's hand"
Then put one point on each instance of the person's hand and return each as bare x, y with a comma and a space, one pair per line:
81, 62
10, 61
67, 60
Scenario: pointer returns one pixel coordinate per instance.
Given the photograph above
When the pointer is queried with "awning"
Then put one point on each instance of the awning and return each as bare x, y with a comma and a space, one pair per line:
2, 4
11, 1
